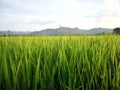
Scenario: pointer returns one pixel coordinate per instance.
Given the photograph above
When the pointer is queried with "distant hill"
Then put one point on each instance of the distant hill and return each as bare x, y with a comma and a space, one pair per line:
71, 31
99, 30
60, 31
13, 33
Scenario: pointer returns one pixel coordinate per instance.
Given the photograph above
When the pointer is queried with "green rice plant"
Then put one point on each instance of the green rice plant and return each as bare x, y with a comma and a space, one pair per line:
60, 62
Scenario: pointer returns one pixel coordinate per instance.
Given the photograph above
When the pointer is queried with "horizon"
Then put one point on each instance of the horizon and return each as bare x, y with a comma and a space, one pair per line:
56, 28
37, 15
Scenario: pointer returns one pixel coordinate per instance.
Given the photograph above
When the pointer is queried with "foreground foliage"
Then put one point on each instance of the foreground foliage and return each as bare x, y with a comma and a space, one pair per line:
61, 63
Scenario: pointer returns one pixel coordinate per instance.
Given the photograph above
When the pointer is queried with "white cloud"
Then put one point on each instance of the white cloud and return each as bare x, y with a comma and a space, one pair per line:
110, 15
41, 14
23, 22
24, 4
112, 5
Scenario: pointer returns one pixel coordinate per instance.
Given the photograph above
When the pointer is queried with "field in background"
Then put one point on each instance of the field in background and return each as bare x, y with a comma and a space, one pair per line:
60, 62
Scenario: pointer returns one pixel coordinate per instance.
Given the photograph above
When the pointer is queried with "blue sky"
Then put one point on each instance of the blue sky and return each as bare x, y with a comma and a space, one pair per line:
35, 15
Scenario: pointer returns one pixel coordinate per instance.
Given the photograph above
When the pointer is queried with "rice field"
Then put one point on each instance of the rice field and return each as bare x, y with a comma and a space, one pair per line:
60, 62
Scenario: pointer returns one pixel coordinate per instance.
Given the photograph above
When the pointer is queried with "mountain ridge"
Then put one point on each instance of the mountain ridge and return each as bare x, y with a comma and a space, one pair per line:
60, 31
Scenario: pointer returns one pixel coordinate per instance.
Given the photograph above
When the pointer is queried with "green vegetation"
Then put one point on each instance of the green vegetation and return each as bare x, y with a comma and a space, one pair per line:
60, 63
116, 30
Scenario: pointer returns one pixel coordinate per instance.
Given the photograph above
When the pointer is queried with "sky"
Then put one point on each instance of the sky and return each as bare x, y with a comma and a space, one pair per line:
36, 15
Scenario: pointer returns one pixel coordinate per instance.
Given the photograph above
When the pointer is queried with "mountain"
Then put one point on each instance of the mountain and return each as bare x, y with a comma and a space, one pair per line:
71, 31
60, 31
99, 30
13, 33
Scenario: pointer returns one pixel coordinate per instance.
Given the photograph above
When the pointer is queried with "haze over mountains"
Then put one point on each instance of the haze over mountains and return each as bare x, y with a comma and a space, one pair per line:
60, 31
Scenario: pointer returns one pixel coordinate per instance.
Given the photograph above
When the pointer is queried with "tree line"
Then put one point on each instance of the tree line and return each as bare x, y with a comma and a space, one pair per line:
116, 30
